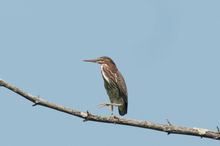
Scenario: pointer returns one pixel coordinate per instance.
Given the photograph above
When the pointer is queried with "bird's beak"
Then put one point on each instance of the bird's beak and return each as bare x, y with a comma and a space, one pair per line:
91, 60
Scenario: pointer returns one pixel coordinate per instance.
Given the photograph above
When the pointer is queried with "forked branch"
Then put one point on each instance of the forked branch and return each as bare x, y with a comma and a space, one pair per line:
168, 128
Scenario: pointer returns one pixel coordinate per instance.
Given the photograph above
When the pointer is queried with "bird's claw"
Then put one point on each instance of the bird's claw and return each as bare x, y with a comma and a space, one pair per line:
103, 105
108, 104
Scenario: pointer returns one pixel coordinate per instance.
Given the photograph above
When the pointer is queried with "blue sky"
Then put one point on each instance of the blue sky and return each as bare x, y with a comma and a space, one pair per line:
168, 52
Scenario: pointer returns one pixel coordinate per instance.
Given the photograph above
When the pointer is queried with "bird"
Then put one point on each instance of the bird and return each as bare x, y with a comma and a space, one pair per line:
114, 84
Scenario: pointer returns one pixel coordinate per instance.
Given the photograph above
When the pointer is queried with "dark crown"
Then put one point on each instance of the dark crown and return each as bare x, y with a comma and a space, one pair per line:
107, 59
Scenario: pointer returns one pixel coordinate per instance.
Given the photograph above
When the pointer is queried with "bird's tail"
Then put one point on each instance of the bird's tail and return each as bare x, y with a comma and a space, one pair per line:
123, 109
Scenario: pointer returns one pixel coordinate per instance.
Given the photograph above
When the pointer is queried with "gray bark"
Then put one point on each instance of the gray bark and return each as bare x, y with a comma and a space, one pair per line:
168, 128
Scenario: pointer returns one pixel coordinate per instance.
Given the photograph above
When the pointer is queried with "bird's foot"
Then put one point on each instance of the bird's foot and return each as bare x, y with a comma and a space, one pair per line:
108, 105
114, 118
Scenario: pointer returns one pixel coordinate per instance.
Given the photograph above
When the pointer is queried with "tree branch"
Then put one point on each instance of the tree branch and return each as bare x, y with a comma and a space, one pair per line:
168, 128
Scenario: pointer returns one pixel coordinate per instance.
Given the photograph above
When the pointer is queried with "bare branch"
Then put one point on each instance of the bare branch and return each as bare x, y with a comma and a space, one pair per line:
168, 128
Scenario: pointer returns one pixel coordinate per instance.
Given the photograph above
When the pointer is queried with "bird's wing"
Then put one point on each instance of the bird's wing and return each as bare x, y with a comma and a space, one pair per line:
122, 86
116, 79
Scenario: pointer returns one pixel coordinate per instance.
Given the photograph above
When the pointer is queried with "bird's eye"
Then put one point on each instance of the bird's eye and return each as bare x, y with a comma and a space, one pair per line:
100, 61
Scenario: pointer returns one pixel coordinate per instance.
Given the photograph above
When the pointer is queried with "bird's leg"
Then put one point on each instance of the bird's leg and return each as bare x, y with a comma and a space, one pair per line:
111, 108
111, 105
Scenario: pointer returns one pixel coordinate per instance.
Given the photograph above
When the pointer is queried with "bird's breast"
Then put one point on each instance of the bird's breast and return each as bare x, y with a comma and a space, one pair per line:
104, 73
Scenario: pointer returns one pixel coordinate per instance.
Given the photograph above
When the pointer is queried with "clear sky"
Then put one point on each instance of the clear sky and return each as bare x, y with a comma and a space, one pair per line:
168, 52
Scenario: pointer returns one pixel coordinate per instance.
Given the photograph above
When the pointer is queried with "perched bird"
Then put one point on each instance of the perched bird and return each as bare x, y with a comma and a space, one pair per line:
114, 84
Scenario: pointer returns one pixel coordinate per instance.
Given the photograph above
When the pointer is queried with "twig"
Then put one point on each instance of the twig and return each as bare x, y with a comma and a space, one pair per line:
169, 122
218, 129
200, 132
168, 132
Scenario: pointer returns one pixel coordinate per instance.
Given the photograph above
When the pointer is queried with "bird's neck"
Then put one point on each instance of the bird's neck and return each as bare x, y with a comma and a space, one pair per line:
111, 67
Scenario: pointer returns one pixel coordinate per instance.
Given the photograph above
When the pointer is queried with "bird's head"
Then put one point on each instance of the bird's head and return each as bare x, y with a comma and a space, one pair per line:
101, 60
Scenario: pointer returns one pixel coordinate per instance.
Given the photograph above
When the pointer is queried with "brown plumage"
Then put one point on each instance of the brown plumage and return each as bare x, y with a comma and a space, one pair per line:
114, 83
